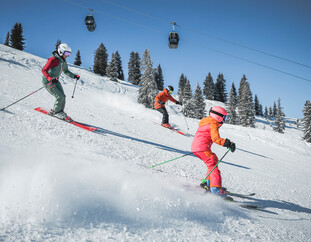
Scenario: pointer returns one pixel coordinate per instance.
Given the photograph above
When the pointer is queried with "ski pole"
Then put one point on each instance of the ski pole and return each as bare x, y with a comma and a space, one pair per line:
185, 118
74, 89
2, 109
170, 160
217, 163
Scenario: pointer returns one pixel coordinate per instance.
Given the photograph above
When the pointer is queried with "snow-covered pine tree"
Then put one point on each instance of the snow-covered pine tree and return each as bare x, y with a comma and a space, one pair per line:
181, 87
274, 109
246, 105
119, 66
199, 104
209, 87
188, 102
100, 60
306, 121
158, 75
112, 69
134, 74
257, 106
58, 42
270, 113
148, 89
16, 37
242, 82
232, 105
279, 118
78, 61
7, 39
220, 89
266, 114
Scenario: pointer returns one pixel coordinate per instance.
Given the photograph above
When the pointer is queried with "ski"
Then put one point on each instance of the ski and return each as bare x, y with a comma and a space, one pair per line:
80, 125
173, 129
240, 195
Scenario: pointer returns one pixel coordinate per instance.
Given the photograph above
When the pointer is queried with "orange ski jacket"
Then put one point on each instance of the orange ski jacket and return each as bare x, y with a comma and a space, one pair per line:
206, 135
162, 98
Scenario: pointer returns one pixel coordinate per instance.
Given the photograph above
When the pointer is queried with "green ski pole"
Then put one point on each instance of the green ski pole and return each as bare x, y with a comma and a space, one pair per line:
170, 160
217, 163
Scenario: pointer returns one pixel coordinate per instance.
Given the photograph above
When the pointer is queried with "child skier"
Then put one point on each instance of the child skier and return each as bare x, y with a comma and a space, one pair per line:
206, 135
52, 70
160, 101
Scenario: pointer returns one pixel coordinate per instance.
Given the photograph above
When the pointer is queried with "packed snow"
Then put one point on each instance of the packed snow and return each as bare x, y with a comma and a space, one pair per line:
62, 183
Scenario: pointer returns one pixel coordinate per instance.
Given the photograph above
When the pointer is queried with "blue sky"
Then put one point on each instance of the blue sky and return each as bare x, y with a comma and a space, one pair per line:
207, 32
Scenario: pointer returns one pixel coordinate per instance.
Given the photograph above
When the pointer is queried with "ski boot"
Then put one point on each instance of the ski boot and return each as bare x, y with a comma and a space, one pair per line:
221, 192
166, 125
64, 116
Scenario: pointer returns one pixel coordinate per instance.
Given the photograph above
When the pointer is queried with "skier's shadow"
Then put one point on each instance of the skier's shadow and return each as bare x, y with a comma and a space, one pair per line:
102, 131
280, 204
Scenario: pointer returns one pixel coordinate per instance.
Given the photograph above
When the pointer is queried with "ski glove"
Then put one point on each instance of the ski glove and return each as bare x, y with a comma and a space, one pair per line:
76, 77
54, 80
229, 144
178, 103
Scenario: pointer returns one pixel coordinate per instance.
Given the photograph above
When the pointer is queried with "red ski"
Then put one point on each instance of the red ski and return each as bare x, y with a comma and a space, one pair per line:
173, 129
80, 125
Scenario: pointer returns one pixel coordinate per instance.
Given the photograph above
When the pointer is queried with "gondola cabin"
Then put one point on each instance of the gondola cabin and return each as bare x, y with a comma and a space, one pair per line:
90, 22
173, 40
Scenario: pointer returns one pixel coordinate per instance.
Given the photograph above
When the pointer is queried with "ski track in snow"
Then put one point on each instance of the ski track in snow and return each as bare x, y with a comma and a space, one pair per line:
62, 183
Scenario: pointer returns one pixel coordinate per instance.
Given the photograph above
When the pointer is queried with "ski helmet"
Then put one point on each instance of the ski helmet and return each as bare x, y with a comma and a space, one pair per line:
64, 49
218, 113
170, 89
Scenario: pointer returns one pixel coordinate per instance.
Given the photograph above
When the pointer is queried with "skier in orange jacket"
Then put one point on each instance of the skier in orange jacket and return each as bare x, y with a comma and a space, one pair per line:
206, 135
160, 101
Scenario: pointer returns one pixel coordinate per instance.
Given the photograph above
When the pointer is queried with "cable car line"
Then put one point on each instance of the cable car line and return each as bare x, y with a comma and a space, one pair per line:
210, 36
215, 50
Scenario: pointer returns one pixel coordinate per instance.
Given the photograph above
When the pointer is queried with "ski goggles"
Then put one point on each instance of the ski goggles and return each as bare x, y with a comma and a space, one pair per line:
225, 117
67, 53
171, 91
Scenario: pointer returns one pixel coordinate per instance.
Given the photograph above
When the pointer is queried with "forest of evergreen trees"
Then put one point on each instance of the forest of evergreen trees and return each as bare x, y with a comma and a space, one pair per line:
240, 105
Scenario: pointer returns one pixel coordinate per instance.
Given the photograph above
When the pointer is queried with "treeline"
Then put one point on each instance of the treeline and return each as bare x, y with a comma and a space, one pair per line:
241, 106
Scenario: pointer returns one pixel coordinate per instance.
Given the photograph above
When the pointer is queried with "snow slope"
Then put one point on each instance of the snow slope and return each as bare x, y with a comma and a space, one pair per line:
62, 183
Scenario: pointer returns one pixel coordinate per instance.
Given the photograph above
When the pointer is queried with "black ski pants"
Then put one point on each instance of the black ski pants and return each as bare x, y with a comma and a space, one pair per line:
165, 115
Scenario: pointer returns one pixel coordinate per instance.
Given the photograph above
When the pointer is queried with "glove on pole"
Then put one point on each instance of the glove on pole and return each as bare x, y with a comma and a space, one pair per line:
218, 163
170, 160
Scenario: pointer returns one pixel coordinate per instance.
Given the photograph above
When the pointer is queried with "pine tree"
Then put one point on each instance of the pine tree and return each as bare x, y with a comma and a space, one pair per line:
257, 106
58, 42
119, 66
134, 74
16, 37
232, 105
306, 121
266, 114
159, 78
199, 104
112, 68
209, 87
246, 105
220, 89
78, 61
181, 87
148, 89
7, 39
100, 60
270, 112
279, 119
274, 109
188, 102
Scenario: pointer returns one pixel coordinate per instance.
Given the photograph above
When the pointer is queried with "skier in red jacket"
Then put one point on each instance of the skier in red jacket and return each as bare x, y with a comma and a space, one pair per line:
206, 135
52, 70
160, 101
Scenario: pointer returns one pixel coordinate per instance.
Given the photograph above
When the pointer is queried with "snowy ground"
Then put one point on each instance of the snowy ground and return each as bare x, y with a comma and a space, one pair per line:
62, 183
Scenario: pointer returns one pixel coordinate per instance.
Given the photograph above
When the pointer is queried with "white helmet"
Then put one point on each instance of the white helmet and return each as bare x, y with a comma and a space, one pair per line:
62, 48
